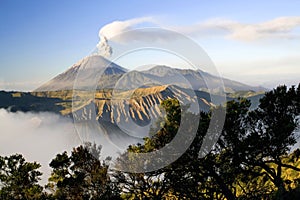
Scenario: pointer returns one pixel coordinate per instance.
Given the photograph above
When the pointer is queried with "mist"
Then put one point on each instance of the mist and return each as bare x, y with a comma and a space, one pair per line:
41, 136
37, 136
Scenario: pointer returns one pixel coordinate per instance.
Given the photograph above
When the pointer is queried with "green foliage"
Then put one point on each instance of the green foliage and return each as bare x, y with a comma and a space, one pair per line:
150, 185
248, 162
19, 179
81, 175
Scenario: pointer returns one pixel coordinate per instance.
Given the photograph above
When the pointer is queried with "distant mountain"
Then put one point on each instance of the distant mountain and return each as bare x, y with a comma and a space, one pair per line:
110, 75
198, 78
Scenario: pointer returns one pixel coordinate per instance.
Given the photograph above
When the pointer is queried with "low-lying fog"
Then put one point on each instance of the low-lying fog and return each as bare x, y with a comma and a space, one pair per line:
39, 137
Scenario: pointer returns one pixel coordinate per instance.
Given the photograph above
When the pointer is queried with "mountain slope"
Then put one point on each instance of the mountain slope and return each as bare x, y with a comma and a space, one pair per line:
109, 75
133, 109
198, 78
65, 80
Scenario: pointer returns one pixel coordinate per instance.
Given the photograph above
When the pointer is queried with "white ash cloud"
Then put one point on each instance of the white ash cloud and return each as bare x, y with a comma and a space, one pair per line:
111, 30
278, 28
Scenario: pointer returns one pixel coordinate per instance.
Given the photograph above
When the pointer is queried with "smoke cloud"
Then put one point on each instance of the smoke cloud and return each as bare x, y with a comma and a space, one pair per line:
103, 47
277, 28
113, 29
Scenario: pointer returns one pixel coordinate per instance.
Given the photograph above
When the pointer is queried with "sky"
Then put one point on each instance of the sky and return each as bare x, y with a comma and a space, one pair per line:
254, 42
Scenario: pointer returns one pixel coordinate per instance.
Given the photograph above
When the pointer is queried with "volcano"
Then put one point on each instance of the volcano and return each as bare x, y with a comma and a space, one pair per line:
109, 73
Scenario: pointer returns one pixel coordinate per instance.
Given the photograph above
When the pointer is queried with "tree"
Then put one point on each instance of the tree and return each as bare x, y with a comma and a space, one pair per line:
81, 175
19, 179
272, 133
240, 165
180, 180
254, 144
150, 185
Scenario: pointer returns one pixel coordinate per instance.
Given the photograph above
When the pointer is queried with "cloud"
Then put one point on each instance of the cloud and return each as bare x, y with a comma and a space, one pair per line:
19, 86
41, 136
37, 136
278, 28
267, 72
111, 30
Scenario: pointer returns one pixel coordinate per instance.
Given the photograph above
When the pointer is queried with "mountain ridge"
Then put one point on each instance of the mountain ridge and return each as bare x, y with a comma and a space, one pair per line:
109, 74
121, 96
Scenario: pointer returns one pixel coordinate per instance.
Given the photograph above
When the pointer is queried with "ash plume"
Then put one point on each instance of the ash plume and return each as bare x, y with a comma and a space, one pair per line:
104, 49
109, 32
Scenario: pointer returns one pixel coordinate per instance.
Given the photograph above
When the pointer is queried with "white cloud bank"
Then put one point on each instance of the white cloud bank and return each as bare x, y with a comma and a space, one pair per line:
277, 28
19, 86
41, 136
37, 136
280, 28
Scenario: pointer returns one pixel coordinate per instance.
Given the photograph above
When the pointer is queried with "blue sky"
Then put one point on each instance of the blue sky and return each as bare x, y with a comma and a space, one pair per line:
40, 39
